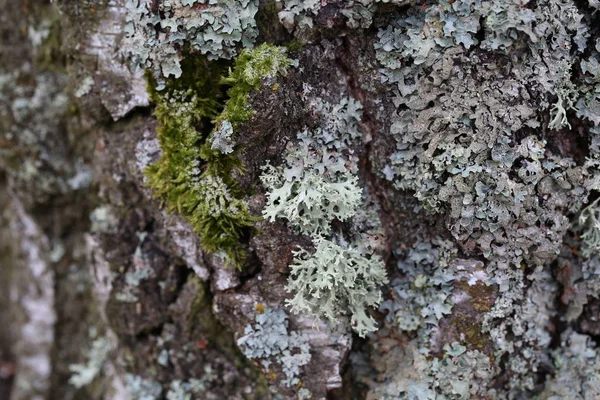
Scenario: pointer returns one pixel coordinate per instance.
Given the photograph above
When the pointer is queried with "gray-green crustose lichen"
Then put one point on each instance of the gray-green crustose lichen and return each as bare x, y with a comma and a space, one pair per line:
479, 100
422, 296
192, 176
269, 339
156, 32
472, 128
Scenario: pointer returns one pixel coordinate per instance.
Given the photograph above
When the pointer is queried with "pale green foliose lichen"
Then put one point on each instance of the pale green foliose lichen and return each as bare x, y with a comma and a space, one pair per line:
192, 389
298, 13
589, 221
497, 190
422, 296
298, 16
142, 389
85, 87
270, 340
84, 374
103, 220
483, 93
157, 32
566, 94
577, 373
588, 105
221, 138
408, 374
585, 287
304, 394
310, 201
334, 281
316, 185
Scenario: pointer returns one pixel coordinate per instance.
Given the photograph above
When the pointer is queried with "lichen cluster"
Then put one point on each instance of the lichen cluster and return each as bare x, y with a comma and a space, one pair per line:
334, 281
508, 196
270, 340
298, 16
157, 31
30, 115
408, 374
315, 186
480, 88
422, 296
577, 369
84, 374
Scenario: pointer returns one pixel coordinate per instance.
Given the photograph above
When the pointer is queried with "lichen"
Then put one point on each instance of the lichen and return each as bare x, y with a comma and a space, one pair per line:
84, 374
577, 374
589, 222
298, 16
408, 374
588, 105
180, 390
221, 138
336, 281
566, 94
157, 31
422, 295
269, 339
103, 220
315, 186
310, 201
142, 389
479, 140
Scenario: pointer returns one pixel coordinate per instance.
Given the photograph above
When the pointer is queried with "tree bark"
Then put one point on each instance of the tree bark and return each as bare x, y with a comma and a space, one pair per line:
108, 292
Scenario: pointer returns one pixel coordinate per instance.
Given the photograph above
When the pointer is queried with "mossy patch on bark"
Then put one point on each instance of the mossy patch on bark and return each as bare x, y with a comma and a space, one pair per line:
192, 177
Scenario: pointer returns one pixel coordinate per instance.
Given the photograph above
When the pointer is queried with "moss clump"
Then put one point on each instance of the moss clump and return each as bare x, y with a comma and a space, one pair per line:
266, 61
191, 177
294, 45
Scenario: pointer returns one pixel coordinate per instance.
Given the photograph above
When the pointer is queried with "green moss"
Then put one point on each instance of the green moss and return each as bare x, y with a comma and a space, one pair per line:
192, 178
251, 67
294, 45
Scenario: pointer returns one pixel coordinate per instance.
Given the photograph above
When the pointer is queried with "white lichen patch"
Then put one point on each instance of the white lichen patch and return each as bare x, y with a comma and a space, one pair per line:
316, 185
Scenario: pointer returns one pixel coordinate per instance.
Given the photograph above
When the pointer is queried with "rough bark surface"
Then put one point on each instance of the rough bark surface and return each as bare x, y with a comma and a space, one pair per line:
104, 294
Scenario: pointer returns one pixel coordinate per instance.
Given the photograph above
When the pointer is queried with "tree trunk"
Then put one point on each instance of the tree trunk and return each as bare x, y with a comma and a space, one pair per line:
244, 199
